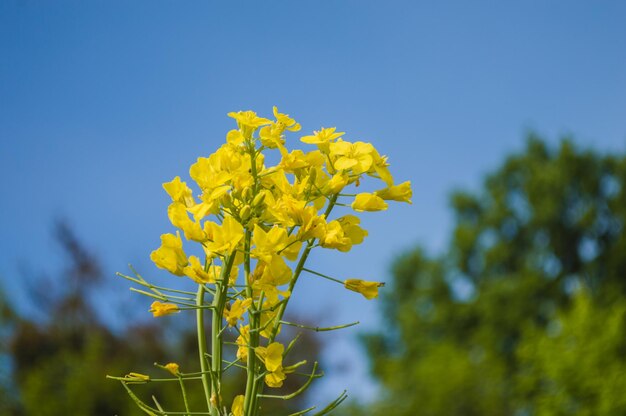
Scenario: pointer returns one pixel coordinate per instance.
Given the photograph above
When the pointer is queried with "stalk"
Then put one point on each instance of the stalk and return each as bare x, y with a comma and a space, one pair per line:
202, 350
253, 338
253, 315
219, 301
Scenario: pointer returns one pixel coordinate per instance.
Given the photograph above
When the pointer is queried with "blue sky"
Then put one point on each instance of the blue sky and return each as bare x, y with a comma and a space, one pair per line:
102, 101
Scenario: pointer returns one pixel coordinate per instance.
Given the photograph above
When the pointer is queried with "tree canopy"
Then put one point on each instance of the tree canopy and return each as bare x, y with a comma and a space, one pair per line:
525, 312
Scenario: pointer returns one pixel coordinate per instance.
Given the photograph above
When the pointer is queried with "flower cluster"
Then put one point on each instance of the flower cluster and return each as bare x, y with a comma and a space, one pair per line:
256, 225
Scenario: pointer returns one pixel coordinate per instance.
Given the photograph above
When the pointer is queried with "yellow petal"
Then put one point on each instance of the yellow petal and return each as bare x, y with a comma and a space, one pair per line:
161, 309
367, 289
237, 407
368, 202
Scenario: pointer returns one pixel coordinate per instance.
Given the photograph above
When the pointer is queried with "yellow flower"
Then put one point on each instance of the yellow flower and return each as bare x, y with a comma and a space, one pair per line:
296, 161
272, 136
322, 138
343, 233
207, 175
172, 368
161, 309
336, 183
242, 342
170, 256
367, 289
275, 378
248, 122
289, 211
179, 192
271, 294
401, 193
195, 271
237, 407
351, 228
284, 119
225, 237
178, 216
354, 156
272, 355
248, 119
234, 137
276, 272
335, 237
269, 244
368, 202
293, 161
213, 174
210, 204
381, 167
237, 309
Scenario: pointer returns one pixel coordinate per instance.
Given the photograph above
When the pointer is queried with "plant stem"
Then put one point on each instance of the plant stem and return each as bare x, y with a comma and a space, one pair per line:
206, 384
254, 318
219, 301
252, 335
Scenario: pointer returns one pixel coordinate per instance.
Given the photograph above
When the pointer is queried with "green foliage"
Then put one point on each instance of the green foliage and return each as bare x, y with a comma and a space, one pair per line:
577, 366
502, 323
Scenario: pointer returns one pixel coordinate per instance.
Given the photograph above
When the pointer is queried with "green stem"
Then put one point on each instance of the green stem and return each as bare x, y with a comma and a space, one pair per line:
202, 349
250, 399
184, 393
322, 275
219, 302
252, 334
319, 329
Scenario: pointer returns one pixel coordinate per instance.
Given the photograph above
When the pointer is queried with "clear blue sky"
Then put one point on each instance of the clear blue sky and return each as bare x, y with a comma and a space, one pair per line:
102, 101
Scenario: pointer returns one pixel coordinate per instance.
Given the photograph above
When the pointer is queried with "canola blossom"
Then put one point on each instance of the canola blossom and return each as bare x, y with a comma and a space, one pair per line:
255, 225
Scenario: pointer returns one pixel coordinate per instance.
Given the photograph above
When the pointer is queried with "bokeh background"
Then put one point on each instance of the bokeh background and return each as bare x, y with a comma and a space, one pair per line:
101, 102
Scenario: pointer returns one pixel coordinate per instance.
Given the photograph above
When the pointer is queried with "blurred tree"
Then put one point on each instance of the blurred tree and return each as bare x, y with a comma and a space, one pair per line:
463, 330
8, 403
59, 362
578, 365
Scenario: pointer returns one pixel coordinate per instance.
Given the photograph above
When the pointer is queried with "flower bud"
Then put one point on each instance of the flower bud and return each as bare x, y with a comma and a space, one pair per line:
258, 200
245, 212
227, 200
312, 175
247, 193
